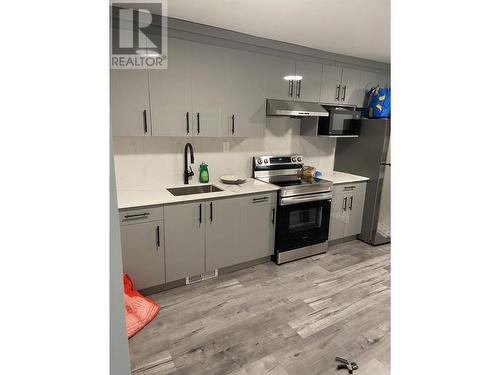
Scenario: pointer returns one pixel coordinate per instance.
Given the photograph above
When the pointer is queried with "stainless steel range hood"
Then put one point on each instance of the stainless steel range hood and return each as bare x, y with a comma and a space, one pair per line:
290, 108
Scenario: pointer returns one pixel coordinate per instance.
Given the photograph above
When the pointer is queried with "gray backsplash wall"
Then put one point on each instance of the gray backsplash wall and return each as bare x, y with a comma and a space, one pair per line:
158, 161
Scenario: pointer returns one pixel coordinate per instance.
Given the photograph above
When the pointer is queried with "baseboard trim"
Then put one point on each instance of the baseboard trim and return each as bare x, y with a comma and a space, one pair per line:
341, 240
221, 271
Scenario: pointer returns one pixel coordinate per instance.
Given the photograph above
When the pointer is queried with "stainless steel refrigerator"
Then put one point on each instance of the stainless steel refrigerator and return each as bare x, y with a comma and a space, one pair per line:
369, 156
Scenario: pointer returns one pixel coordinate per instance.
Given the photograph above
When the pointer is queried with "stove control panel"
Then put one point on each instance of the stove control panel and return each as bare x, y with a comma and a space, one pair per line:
277, 160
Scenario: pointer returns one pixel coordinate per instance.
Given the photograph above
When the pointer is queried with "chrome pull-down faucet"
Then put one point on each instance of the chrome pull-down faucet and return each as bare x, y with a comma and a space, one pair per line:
188, 171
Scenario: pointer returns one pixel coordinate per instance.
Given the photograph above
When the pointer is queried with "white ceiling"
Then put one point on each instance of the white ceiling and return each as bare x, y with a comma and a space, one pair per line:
358, 28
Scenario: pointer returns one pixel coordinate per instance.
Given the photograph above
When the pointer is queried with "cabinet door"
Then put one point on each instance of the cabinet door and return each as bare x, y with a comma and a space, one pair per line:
243, 110
170, 91
256, 235
184, 240
352, 92
355, 207
338, 217
308, 88
222, 243
331, 79
143, 253
130, 103
367, 81
208, 83
274, 69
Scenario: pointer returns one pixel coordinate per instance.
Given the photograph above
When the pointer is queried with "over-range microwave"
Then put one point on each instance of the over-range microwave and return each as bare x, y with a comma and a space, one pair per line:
334, 125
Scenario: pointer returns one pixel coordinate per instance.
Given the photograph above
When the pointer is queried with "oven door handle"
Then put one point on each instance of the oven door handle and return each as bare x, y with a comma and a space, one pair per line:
305, 198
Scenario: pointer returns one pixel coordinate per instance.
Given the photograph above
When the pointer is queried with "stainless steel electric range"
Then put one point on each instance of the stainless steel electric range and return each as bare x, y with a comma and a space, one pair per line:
303, 212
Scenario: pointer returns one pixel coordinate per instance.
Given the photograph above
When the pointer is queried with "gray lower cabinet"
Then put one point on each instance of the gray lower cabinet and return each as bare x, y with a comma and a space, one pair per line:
240, 230
184, 239
258, 218
143, 247
222, 232
203, 236
347, 210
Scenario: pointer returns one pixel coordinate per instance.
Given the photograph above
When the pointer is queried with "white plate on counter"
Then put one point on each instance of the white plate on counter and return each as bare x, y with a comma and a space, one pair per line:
232, 180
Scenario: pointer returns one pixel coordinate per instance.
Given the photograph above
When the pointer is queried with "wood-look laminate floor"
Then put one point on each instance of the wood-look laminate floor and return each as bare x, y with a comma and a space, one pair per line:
277, 320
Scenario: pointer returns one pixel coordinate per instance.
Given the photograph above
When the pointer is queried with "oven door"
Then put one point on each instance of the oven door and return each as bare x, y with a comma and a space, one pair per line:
303, 223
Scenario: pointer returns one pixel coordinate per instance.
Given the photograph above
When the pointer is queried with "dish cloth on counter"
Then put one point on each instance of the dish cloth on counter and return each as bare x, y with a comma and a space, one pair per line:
139, 310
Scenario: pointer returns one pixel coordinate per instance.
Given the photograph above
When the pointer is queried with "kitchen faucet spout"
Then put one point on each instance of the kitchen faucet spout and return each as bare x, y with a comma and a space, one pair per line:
188, 171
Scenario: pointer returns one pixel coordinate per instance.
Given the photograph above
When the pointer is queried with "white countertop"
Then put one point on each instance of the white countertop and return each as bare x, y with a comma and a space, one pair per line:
156, 195
342, 177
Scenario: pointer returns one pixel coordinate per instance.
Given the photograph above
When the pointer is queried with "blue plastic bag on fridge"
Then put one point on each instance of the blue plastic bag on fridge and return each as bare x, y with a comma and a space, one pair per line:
379, 102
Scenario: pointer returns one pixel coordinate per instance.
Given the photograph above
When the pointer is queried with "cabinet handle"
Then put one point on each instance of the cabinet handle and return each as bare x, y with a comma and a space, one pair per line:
200, 213
344, 204
290, 88
274, 211
187, 122
157, 237
299, 86
136, 216
350, 203
145, 120
343, 92
198, 121
211, 211
232, 126
260, 199
337, 93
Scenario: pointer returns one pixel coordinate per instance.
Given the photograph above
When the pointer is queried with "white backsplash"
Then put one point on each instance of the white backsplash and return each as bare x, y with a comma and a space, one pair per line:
159, 161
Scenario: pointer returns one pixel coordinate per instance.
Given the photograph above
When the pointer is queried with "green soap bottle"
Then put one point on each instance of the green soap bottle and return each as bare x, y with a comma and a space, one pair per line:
203, 172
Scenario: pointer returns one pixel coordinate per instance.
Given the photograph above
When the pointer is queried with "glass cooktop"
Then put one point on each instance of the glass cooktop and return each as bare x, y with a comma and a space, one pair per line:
284, 181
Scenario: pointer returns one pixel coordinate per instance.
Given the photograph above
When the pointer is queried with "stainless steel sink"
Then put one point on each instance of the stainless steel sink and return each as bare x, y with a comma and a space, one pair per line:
188, 190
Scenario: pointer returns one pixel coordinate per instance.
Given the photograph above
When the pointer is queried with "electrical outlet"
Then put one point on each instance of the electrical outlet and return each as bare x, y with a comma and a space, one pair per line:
225, 146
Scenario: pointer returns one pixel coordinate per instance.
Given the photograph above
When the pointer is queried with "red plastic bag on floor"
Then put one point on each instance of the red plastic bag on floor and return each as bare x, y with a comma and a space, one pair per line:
139, 310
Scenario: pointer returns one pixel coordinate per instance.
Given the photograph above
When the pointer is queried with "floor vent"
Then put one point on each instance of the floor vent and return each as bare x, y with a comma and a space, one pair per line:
202, 277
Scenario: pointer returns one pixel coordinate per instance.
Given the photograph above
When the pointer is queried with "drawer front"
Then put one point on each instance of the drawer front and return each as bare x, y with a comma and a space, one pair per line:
141, 215
358, 187
259, 199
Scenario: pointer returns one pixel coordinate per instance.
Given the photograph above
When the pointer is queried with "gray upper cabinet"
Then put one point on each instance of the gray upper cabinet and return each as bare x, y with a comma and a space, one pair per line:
130, 114
222, 232
331, 83
214, 91
184, 240
355, 84
243, 107
308, 88
143, 249
273, 70
170, 91
208, 88
352, 91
